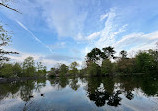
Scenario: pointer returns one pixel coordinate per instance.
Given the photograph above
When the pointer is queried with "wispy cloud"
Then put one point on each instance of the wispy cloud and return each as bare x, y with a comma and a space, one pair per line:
137, 41
93, 36
102, 17
58, 45
128, 38
63, 16
33, 36
106, 36
110, 36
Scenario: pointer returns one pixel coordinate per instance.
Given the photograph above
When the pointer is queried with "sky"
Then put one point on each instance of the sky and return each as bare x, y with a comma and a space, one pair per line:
63, 31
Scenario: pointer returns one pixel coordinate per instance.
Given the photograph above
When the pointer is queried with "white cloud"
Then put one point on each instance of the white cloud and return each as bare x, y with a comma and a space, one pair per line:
93, 36
64, 16
139, 40
102, 17
108, 36
127, 38
81, 38
151, 36
58, 45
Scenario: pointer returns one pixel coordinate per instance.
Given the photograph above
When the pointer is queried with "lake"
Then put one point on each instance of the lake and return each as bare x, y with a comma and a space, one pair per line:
81, 94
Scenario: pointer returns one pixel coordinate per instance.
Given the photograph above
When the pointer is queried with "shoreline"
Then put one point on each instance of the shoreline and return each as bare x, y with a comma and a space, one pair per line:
18, 79
22, 79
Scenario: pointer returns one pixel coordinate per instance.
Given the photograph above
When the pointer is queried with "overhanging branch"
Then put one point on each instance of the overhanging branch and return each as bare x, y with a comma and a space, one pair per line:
9, 7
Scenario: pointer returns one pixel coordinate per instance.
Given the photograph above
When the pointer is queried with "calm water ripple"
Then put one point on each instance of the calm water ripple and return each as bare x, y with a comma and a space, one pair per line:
81, 94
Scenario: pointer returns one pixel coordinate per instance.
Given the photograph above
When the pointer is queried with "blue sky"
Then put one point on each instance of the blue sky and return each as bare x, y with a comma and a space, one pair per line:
63, 31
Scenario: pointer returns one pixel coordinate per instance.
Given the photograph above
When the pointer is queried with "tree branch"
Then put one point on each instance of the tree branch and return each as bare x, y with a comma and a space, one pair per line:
9, 7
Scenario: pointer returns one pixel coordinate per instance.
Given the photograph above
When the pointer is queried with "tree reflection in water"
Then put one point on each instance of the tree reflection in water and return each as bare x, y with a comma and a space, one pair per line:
74, 83
22, 89
101, 91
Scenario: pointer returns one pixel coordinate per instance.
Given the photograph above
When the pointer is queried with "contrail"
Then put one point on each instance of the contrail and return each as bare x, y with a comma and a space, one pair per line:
33, 36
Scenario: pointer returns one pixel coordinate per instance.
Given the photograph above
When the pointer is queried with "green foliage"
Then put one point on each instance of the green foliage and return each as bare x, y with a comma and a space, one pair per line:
10, 70
97, 55
109, 52
7, 70
17, 70
54, 72
73, 84
107, 67
63, 70
73, 68
154, 54
94, 55
29, 66
144, 62
73, 65
126, 66
41, 70
83, 72
93, 69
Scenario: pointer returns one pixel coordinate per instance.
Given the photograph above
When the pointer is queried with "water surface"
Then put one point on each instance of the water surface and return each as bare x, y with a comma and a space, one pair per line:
81, 94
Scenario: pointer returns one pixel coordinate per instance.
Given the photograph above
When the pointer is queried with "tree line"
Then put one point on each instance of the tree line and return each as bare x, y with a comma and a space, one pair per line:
99, 63
64, 70
28, 68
